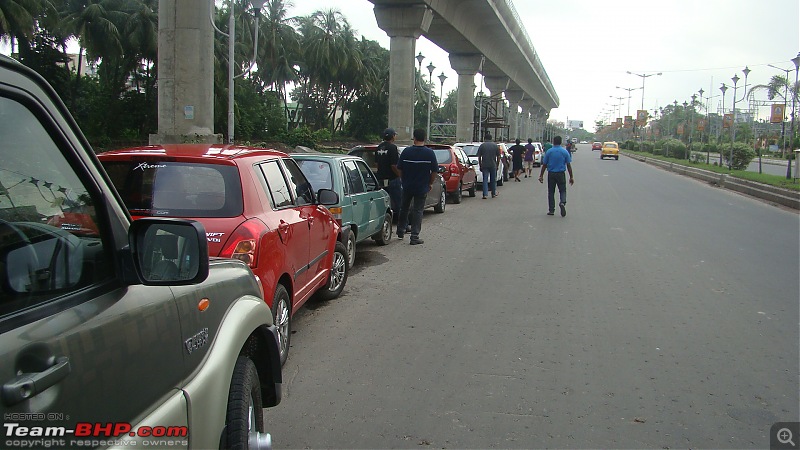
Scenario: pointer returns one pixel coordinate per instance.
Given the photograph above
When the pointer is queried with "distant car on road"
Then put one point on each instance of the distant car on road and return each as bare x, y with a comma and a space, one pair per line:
610, 150
597, 146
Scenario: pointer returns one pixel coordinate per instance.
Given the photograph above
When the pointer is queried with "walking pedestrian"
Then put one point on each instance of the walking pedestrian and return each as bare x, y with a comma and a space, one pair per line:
387, 158
418, 168
489, 161
529, 151
556, 161
517, 152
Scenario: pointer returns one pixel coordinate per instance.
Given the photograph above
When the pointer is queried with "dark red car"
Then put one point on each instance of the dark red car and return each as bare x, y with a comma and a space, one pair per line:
459, 174
256, 206
597, 146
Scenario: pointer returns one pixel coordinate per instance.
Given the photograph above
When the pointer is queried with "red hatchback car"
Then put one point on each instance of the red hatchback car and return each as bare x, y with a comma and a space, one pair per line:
255, 204
459, 174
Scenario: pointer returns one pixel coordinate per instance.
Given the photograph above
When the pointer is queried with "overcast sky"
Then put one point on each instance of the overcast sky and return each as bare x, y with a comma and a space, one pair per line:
587, 46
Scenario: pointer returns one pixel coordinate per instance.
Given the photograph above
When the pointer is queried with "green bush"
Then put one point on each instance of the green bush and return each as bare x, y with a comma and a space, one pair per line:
300, 136
647, 147
323, 135
629, 145
658, 151
675, 148
743, 154
710, 148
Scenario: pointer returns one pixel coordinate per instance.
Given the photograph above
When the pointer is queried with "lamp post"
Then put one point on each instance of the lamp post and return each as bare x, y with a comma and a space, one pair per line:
430, 92
644, 76
691, 129
735, 80
629, 96
722, 88
796, 61
231, 35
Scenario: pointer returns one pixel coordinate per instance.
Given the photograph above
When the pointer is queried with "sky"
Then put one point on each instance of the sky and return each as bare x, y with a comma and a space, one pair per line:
588, 46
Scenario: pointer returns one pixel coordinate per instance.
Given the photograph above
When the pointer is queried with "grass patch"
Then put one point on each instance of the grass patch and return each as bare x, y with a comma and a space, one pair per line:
772, 180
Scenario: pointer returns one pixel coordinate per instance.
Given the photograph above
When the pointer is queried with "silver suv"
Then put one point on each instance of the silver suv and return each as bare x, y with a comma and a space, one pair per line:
112, 331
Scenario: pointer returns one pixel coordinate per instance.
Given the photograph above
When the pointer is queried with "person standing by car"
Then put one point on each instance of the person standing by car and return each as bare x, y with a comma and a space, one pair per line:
418, 168
556, 161
517, 152
387, 157
488, 160
529, 151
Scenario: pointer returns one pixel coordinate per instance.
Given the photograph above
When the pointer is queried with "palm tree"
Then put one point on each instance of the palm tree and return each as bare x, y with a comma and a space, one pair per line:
331, 61
17, 19
281, 50
92, 23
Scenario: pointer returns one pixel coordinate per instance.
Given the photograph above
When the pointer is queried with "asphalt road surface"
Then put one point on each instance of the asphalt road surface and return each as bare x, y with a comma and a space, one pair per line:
660, 313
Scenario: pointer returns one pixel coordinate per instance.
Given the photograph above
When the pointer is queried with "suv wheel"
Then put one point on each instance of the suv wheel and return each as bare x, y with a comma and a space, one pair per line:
385, 235
457, 194
244, 422
351, 248
282, 318
338, 276
439, 208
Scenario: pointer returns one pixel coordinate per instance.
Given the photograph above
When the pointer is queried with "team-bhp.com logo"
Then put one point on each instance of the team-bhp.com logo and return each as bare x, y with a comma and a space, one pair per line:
93, 434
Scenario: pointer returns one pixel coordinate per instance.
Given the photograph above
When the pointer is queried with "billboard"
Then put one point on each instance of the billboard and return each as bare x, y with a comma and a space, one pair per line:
574, 124
727, 120
641, 117
777, 113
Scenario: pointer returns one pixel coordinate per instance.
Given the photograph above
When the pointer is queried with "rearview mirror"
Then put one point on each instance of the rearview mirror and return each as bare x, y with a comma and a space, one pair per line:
327, 197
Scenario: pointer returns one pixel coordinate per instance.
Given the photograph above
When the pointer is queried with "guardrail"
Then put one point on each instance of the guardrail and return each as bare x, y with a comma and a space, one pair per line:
773, 194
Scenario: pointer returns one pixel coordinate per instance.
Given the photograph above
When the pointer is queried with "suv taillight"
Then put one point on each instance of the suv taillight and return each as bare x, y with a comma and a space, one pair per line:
243, 243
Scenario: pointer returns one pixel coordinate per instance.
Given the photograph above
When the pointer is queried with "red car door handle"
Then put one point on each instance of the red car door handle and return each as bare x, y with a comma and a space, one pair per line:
27, 385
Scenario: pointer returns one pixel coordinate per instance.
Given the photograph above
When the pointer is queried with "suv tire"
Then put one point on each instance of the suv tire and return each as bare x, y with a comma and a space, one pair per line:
282, 318
338, 276
245, 408
351, 248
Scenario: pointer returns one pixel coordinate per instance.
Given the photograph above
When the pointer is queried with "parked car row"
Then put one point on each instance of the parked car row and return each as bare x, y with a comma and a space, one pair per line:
106, 320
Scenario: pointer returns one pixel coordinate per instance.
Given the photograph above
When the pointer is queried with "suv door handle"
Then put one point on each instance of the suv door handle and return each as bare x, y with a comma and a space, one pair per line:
28, 385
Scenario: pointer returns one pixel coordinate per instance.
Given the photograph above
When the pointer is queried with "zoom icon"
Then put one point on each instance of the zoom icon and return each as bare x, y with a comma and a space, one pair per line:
783, 435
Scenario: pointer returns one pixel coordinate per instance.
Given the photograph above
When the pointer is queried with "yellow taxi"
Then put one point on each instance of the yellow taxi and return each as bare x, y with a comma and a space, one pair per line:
609, 150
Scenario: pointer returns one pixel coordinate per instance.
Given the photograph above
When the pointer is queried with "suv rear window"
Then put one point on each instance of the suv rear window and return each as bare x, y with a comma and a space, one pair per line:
470, 150
176, 189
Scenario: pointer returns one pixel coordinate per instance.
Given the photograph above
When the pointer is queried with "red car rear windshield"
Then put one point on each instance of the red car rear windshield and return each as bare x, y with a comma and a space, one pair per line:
175, 189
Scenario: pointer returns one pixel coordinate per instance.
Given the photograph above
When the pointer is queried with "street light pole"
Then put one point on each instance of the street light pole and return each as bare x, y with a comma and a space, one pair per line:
643, 76
735, 79
796, 61
722, 88
430, 92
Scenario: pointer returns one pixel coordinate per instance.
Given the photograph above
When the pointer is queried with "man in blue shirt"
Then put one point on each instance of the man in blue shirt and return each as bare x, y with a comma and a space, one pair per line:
418, 168
557, 160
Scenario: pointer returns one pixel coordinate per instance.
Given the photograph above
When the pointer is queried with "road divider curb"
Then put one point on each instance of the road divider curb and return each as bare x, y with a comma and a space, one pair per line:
773, 194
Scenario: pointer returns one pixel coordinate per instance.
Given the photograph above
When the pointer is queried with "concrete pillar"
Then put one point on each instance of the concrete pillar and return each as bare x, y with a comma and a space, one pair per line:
185, 73
404, 24
496, 85
530, 111
466, 66
515, 126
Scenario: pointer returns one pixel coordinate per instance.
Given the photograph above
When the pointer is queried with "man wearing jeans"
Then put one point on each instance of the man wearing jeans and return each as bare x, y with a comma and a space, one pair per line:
488, 161
557, 160
418, 168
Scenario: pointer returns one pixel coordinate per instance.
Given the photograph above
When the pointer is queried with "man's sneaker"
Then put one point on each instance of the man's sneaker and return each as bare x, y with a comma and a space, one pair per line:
400, 236
416, 241
563, 207
551, 213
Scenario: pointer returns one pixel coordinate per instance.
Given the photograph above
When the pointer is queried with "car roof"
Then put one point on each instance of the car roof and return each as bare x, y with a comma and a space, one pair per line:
192, 151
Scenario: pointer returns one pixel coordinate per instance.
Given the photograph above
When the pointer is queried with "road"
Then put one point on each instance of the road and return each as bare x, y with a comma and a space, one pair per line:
660, 313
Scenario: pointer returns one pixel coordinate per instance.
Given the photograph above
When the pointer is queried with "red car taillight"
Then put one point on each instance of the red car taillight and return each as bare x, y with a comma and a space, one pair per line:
454, 170
243, 243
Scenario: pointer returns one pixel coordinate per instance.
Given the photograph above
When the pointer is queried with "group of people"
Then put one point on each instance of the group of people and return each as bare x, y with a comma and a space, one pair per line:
408, 176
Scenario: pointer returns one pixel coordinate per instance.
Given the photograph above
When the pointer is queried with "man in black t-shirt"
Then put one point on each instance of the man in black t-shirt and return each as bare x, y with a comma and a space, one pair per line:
387, 157
517, 152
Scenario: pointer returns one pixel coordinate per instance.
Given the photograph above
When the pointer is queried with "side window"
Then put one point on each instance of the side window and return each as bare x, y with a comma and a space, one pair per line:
278, 189
462, 158
369, 178
303, 192
346, 185
354, 177
50, 241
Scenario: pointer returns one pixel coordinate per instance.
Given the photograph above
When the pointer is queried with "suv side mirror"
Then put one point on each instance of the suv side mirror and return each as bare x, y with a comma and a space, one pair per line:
327, 197
169, 252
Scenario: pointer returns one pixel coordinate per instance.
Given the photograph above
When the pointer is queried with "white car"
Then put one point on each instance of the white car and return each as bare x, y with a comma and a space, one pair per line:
538, 153
471, 149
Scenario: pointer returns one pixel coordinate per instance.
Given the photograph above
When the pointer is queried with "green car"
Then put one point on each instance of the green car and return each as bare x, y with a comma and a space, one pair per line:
364, 209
